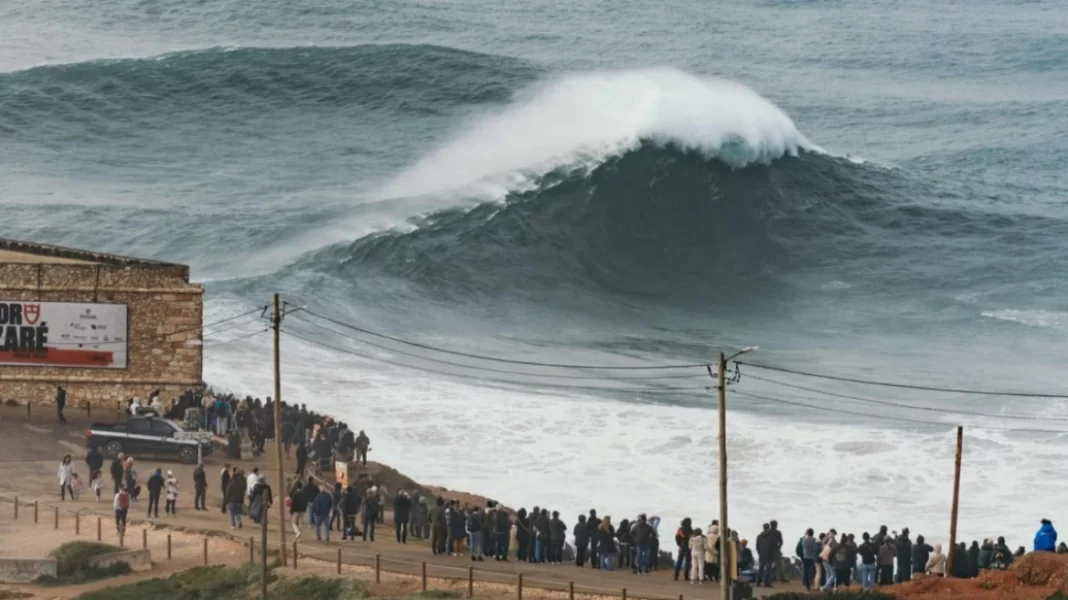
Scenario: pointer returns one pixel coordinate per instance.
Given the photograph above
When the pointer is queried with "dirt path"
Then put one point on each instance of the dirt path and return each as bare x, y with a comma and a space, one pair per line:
32, 447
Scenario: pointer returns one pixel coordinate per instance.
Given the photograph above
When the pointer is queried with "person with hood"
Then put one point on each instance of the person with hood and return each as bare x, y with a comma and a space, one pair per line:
880, 537
581, 542
155, 489
986, 554
557, 537
885, 561
766, 563
973, 559
959, 568
200, 487
320, 510
843, 561
1002, 556
502, 531
712, 548
224, 483
522, 536
260, 501
439, 529
606, 543
682, 545
936, 562
234, 499
372, 505
921, 551
1046, 537
298, 505
421, 519
643, 541
94, 459
171, 485
625, 546
698, 548
592, 525
810, 553
1062, 548
402, 513
903, 550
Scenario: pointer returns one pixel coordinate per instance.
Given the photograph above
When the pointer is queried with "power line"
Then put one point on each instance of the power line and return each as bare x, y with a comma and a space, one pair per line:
908, 406
498, 359
906, 386
532, 384
492, 370
198, 328
889, 418
240, 337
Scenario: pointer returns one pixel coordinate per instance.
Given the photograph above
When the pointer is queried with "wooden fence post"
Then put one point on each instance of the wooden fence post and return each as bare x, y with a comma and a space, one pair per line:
339, 561
470, 582
251, 549
144, 539
55, 517
168, 546
571, 590
34, 512
294, 555
378, 568
519, 587
205, 551
98, 530
122, 539
16, 508
624, 593
77, 523
424, 575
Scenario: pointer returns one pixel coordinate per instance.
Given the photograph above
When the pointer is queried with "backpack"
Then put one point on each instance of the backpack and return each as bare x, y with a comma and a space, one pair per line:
124, 500
800, 550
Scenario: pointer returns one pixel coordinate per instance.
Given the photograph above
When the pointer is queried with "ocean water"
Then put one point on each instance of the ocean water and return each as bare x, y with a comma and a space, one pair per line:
872, 189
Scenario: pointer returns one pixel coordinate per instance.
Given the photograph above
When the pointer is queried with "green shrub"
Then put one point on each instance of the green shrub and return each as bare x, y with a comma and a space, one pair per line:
319, 588
200, 583
1058, 595
74, 556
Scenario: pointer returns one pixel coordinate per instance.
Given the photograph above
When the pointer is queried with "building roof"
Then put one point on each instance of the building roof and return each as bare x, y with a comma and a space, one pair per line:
17, 251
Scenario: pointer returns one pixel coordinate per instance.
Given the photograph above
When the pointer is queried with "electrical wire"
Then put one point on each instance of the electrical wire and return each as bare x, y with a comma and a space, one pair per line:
492, 370
198, 328
498, 359
888, 418
908, 406
906, 386
532, 384
232, 340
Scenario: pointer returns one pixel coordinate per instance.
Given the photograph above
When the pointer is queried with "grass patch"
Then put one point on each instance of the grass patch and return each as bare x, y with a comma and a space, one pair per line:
1058, 595
199, 583
318, 588
72, 564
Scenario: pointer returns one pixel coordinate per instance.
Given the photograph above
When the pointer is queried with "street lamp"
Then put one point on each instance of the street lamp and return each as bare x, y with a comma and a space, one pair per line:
725, 575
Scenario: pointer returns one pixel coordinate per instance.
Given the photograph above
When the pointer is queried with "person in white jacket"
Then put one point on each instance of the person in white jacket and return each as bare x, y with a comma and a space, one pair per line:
66, 473
698, 546
171, 487
936, 564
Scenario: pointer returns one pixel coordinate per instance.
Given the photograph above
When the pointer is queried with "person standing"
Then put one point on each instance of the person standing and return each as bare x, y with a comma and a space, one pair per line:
581, 542
643, 540
171, 485
886, 561
155, 489
557, 536
439, 528
350, 507
522, 535
298, 505
363, 444
903, 550
936, 562
810, 551
921, 551
698, 547
94, 460
121, 505
474, 533
778, 572
371, 506
224, 481
1046, 537
593, 524
606, 543
712, 552
682, 544
61, 403
302, 458
765, 554
402, 513
867, 552
116, 470
234, 498
200, 487
66, 475
502, 531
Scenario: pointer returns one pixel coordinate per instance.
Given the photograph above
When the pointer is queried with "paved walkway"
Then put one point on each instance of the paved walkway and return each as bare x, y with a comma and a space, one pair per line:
31, 448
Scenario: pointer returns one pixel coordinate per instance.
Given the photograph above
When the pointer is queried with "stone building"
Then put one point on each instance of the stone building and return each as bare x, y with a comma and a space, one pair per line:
104, 327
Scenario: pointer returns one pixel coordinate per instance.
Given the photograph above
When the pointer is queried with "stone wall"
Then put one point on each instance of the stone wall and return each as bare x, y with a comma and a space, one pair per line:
164, 312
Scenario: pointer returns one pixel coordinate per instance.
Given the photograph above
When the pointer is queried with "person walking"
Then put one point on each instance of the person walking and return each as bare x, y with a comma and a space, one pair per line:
200, 487
121, 505
117, 470
298, 505
321, 507
129, 477
171, 485
66, 475
61, 403
371, 507
350, 507
698, 547
302, 458
155, 489
234, 499
94, 460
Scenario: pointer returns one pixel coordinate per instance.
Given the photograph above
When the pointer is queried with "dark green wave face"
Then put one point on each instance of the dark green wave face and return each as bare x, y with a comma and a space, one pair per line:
869, 188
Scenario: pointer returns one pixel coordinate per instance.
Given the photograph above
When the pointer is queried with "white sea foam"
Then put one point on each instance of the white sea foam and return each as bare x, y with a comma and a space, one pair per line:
571, 452
581, 119
1033, 318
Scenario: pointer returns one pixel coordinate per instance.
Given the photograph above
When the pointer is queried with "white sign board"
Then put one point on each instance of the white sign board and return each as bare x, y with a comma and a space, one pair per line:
63, 334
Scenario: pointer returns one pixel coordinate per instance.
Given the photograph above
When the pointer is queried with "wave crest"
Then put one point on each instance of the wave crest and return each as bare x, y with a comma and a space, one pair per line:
581, 119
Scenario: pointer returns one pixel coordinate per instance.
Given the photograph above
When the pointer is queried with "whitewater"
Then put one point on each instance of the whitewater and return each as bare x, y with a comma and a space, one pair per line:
569, 184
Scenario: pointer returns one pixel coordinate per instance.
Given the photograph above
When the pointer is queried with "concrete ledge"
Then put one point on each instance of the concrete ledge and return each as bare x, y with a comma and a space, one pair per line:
24, 570
139, 560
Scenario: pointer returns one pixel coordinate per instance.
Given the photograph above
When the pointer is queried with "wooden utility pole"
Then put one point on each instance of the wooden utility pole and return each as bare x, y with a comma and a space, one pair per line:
956, 502
724, 542
282, 491
263, 546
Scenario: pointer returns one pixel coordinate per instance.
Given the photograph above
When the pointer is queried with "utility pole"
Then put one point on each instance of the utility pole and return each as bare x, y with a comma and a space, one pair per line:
956, 502
724, 542
263, 546
277, 323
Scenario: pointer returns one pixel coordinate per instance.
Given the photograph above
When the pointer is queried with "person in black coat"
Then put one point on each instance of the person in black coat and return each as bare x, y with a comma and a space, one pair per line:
592, 524
302, 458
350, 507
973, 559
94, 460
522, 535
959, 568
117, 471
61, 403
903, 552
921, 552
402, 513
581, 541
200, 487
225, 480
155, 488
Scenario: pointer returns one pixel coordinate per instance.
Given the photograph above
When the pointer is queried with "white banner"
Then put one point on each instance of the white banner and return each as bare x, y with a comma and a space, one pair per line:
63, 334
